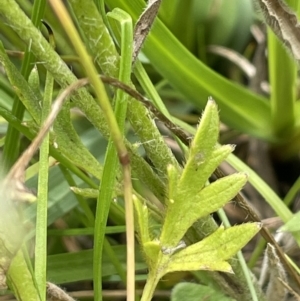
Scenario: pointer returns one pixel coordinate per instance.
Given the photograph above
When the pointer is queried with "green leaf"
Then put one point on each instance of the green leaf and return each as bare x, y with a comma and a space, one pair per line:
78, 266
16, 18
151, 249
207, 132
293, 225
85, 192
70, 145
182, 214
29, 98
198, 169
188, 200
284, 87
98, 38
173, 178
201, 150
212, 252
12, 229
196, 292
141, 217
65, 136
167, 55
22, 280
34, 81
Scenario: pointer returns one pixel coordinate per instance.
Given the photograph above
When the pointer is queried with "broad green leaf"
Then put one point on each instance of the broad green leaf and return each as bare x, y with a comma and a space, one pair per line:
284, 87
174, 62
195, 292
212, 252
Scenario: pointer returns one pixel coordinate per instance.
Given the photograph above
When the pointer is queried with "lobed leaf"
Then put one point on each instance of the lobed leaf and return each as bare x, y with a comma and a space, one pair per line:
212, 252
201, 150
181, 215
197, 172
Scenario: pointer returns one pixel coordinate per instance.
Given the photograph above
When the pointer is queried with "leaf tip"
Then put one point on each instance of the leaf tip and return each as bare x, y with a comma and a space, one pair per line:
211, 101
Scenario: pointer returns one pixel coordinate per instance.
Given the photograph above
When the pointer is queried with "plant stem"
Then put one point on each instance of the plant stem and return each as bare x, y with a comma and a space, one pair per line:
152, 281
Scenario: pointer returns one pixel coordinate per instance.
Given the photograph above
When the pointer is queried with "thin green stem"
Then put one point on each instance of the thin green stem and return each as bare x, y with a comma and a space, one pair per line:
41, 215
106, 188
292, 192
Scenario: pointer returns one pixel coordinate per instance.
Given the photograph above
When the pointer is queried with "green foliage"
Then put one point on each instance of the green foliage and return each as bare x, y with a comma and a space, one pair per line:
194, 292
172, 203
188, 200
293, 224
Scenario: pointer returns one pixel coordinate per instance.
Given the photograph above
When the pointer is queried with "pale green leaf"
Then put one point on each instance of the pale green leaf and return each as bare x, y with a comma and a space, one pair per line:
85, 192
195, 292
98, 39
203, 156
21, 279
34, 81
12, 227
212, 252
29, 98
64, 136
199, 169
173, 178
69, 143
151, 249
195, 264
141, 217
182, 214
293, 225
208, 131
